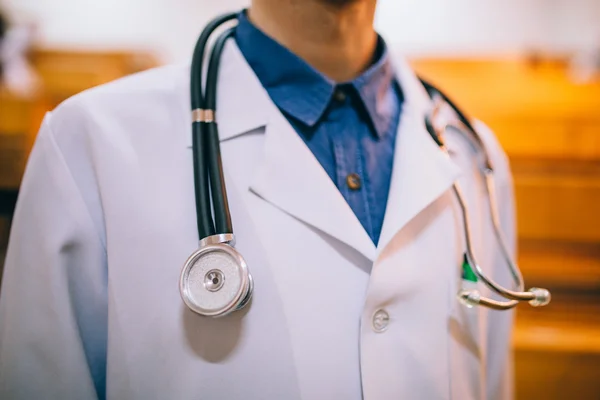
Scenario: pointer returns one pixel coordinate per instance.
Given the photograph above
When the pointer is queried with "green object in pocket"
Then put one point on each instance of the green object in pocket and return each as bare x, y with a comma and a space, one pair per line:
467, 271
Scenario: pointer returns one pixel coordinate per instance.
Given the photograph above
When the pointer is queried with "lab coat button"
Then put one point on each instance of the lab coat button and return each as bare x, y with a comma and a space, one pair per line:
381, 320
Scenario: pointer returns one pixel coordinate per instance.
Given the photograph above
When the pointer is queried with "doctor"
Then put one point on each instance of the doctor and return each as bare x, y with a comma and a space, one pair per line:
342, 207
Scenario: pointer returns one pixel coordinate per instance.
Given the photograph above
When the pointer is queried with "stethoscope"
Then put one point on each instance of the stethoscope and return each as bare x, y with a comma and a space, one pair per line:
437, 126
215, 280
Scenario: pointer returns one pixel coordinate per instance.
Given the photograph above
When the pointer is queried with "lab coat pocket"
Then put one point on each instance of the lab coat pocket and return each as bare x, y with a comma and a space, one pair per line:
465, 327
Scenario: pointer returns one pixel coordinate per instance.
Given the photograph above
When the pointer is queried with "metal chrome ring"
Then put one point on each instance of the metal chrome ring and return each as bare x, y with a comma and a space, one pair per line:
235, 285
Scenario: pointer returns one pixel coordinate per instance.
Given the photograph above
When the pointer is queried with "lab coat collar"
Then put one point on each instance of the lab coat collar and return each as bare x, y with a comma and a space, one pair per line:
291, 178
421, 171
242, 103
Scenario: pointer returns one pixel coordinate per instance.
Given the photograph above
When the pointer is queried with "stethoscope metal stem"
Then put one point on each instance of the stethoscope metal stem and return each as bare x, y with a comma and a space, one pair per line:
535, 296
491, 189
437, 125
473, 297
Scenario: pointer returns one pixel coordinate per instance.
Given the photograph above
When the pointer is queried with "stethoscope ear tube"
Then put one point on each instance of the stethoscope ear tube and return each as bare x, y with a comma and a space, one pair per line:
203, 209
433, 91
200, 141
222, 215
198, 59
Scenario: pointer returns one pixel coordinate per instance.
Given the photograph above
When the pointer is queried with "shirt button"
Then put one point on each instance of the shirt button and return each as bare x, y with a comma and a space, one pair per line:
353, 182
339, 95
381, 320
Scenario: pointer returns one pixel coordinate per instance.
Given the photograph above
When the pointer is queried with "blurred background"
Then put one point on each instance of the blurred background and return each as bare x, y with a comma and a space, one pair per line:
529, 68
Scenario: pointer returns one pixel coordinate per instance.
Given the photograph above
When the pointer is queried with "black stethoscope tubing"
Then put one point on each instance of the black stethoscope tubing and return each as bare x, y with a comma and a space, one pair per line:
209, 182
433, 91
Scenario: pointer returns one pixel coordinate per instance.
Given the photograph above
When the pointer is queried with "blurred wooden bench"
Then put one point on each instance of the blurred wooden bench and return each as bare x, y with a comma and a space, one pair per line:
19, 122
63, 74
550, 128
66, 73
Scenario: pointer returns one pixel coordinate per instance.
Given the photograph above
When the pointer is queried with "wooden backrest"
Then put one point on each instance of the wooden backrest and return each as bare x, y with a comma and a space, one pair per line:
550, 129
66, 73
63, 74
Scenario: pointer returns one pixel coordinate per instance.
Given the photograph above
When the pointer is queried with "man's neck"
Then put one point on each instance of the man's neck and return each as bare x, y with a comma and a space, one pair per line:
337, 40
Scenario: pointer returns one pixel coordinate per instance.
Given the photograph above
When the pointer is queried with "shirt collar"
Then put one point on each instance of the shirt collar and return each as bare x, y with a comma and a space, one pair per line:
374, 88
304, 93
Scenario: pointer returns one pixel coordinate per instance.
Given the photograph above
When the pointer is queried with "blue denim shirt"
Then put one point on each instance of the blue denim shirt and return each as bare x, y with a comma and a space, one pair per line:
350, 127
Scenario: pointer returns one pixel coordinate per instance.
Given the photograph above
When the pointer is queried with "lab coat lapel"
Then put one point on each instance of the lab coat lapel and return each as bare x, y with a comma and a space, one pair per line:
292, 179
421, 171
242, 102
289, 176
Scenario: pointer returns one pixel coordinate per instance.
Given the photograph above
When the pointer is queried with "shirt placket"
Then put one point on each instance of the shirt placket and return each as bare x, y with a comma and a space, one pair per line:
349, 159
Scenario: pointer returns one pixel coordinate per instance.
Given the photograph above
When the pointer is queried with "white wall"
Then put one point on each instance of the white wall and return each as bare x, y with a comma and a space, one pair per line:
168, 27
418, 26
490, 26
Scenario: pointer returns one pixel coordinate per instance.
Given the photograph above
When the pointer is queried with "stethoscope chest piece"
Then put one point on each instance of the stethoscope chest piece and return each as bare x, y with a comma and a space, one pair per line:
215, 281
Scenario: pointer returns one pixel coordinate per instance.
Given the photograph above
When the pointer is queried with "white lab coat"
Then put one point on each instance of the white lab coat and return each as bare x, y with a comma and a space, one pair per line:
90, 303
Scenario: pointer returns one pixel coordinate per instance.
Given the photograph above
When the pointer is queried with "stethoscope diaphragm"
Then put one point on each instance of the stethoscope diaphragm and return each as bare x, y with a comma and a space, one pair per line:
215, 281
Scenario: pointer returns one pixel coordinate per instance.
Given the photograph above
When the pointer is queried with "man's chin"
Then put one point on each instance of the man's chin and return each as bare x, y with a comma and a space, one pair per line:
339, 3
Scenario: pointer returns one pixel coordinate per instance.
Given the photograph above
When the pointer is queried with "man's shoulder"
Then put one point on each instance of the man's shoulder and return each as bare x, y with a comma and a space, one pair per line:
130, 107
143, 92
494, 149
152, 81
